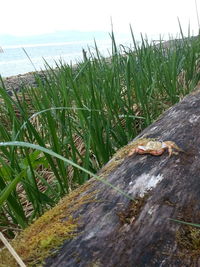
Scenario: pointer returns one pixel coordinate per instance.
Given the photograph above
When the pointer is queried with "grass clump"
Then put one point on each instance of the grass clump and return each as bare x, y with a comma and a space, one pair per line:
85, 114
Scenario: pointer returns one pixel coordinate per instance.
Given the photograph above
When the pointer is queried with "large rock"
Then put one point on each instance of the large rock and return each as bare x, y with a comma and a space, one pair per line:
115, 231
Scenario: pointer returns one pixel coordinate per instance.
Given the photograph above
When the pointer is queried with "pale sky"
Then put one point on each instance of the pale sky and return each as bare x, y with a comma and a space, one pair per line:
30, 17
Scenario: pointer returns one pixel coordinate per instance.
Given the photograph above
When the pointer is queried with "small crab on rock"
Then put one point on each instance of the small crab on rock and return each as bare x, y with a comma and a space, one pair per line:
156, 148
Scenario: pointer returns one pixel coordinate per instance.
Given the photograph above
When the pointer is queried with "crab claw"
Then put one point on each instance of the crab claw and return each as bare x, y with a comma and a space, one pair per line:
171, 146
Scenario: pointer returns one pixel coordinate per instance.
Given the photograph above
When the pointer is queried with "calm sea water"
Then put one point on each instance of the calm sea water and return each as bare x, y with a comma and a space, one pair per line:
13, 59
54, 47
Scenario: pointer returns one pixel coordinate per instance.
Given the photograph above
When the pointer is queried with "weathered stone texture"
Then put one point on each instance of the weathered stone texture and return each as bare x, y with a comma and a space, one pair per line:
116, 232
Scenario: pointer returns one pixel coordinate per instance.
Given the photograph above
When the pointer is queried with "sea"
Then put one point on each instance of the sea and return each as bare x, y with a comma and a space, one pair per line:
19, 55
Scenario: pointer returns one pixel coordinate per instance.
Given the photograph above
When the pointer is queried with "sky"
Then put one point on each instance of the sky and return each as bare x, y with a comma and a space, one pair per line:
151, 17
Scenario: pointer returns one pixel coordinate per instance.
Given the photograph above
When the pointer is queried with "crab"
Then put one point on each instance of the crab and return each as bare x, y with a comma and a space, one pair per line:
155, 148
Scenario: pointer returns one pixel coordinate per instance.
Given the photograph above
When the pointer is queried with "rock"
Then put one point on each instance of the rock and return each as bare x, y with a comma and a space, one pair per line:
114, 231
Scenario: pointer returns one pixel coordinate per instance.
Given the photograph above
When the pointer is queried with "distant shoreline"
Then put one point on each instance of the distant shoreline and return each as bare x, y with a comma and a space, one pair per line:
18, 81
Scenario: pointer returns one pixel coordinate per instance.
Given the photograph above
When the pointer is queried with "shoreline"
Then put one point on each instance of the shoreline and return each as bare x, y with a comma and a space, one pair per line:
15, 83
28, 79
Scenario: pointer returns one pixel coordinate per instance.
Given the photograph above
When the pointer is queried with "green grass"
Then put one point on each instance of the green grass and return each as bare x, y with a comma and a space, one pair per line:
84, 114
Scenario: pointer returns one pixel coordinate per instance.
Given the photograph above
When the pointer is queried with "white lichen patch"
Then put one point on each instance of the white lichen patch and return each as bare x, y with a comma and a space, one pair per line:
153, 129
90, 235
194, 118
144, 183
152, 210
174, 113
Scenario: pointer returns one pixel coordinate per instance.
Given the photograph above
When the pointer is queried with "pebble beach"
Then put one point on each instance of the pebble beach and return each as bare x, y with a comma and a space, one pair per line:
16, 82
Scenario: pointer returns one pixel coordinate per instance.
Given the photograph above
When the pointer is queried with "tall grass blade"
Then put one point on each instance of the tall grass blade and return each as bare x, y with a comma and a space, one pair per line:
52, 153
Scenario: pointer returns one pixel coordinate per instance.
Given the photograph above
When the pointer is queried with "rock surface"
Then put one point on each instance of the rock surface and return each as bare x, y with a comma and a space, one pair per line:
115, 231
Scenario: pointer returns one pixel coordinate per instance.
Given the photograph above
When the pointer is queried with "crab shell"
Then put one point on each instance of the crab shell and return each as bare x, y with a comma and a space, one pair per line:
156, 148
153, 145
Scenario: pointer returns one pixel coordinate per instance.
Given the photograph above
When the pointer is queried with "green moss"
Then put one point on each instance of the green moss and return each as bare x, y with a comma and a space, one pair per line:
188, 237
130, 214
121, 154
49, 232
